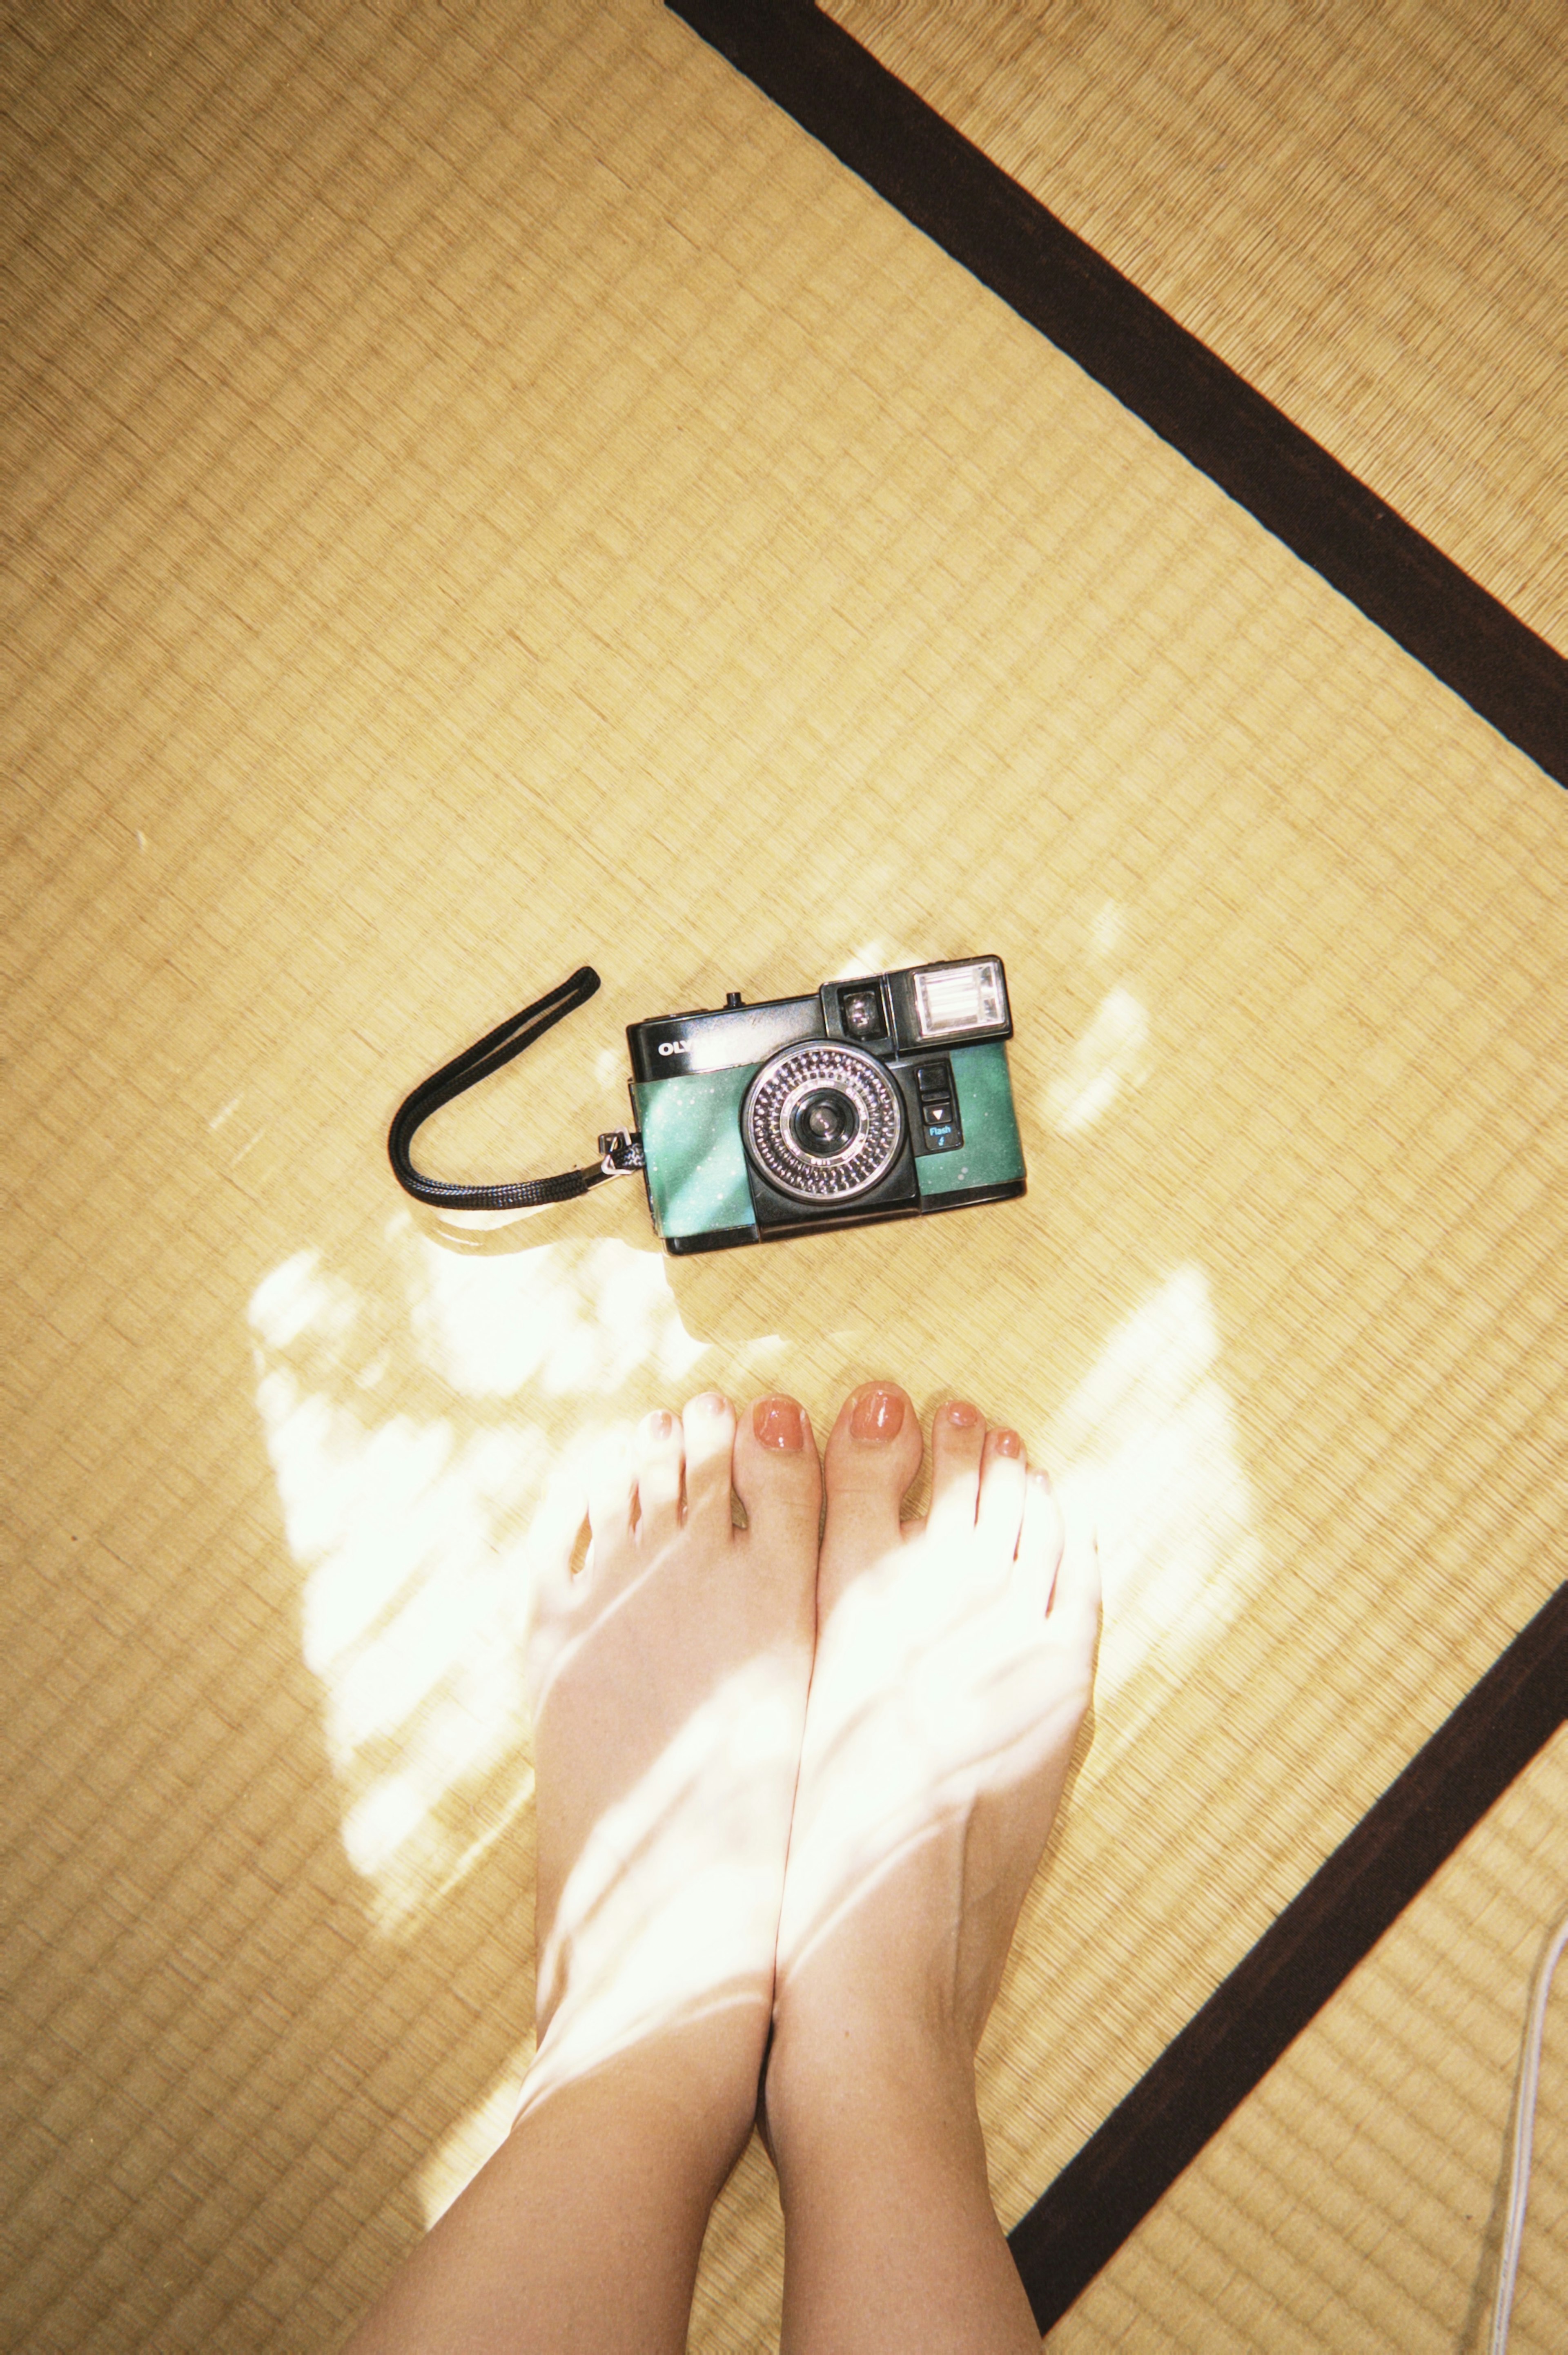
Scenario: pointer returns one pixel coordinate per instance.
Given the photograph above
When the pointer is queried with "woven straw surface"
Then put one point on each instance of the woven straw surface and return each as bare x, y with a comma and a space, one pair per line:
485, 491
1356, 2200
1364, 210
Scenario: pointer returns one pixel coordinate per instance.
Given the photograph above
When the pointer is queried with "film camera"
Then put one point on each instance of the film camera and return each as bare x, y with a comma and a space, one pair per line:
879, 1098
883, 1097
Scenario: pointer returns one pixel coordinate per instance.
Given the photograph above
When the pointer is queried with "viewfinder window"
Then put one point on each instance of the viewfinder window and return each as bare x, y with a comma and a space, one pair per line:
860, 1010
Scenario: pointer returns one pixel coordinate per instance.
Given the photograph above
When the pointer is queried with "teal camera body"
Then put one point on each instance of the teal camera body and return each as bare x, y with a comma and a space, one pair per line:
883, 1097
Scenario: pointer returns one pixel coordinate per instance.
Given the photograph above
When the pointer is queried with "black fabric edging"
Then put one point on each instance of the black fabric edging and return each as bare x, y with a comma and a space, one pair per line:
947, 187
1278, 1987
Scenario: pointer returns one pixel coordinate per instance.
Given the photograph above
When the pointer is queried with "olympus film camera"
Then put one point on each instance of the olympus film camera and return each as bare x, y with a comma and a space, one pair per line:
883, 1097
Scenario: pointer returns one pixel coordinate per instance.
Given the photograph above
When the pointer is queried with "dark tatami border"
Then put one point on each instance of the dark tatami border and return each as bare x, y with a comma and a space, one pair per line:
947, 187
1081, 2221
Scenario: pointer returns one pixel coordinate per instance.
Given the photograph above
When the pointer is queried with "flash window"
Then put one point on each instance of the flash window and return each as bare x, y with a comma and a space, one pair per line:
950, 999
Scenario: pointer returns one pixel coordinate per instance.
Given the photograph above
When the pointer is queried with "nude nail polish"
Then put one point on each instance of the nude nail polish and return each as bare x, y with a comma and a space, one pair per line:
960, 1415
877, 1414
776, 1422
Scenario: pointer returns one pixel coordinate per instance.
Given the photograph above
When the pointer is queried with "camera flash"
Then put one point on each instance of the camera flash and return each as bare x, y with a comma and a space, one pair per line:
953, 997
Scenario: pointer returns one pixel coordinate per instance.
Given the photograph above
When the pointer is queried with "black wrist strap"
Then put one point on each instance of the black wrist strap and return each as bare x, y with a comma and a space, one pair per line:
620, 1152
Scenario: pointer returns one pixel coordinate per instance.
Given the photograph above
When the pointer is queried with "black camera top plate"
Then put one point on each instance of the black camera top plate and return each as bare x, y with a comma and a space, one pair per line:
878, 1011
671, 1045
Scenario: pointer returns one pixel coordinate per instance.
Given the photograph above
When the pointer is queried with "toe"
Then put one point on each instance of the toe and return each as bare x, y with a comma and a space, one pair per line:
548, 1586
709, 1426
873, 1453
777, 1475
1041, 1540
551, 1593
552, 1540
958, 1435
1075, 1598
611, 1483
659, 1454
999, 1515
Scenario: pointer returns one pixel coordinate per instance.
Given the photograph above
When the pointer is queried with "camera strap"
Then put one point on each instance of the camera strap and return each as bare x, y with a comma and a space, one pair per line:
621, 1149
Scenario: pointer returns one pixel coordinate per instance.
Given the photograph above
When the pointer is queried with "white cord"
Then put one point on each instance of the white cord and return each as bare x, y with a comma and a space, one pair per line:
1523, 2132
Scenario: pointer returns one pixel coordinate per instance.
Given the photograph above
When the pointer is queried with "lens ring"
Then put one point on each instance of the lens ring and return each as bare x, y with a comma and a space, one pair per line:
777, 1092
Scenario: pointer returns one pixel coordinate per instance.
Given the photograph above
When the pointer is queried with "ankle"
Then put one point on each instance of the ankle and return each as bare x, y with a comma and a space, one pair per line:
689, 2092
832, 2088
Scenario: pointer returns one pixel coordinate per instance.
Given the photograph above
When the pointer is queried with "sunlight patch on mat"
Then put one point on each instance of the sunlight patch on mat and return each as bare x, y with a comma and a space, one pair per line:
410, 1520
411, 1527
1110, 1055
1147, 1447
568, 1319
877, 954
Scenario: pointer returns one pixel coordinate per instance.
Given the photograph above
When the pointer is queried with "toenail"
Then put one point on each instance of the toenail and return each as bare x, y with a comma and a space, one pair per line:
777, 1423
1008, 1443
962, 1414
878, 1413
660, 1423
710, 1402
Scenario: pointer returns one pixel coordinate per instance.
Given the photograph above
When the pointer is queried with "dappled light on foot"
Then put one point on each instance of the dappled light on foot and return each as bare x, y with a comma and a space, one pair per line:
671, 1910
954, 1662
669, 1677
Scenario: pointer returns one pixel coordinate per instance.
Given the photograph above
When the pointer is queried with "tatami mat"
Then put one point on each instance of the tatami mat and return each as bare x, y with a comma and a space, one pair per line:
488, 491
1327, 2213
1363, 210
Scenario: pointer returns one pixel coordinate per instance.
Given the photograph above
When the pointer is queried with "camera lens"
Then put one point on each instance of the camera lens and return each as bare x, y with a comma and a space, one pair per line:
822, 1123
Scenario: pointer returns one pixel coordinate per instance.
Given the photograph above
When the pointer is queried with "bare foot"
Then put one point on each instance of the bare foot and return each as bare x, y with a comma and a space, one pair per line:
953, 1666
669, 1678
954, 1662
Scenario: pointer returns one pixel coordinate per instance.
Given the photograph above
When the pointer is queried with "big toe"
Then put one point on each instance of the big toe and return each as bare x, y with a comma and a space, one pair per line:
873, 1453
779, 1477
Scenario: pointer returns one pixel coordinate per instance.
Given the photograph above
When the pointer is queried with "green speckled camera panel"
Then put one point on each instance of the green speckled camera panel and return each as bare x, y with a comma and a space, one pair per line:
991, 1154
696, 1166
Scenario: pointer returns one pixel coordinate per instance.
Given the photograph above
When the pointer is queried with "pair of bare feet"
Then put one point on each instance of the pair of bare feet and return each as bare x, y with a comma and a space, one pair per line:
794, 1779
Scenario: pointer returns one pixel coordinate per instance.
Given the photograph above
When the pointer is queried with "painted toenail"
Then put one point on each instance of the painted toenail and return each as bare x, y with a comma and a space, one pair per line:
959, 1412
777, 1423
660, 1423
1008, 1443
878, 1414
710, 1402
